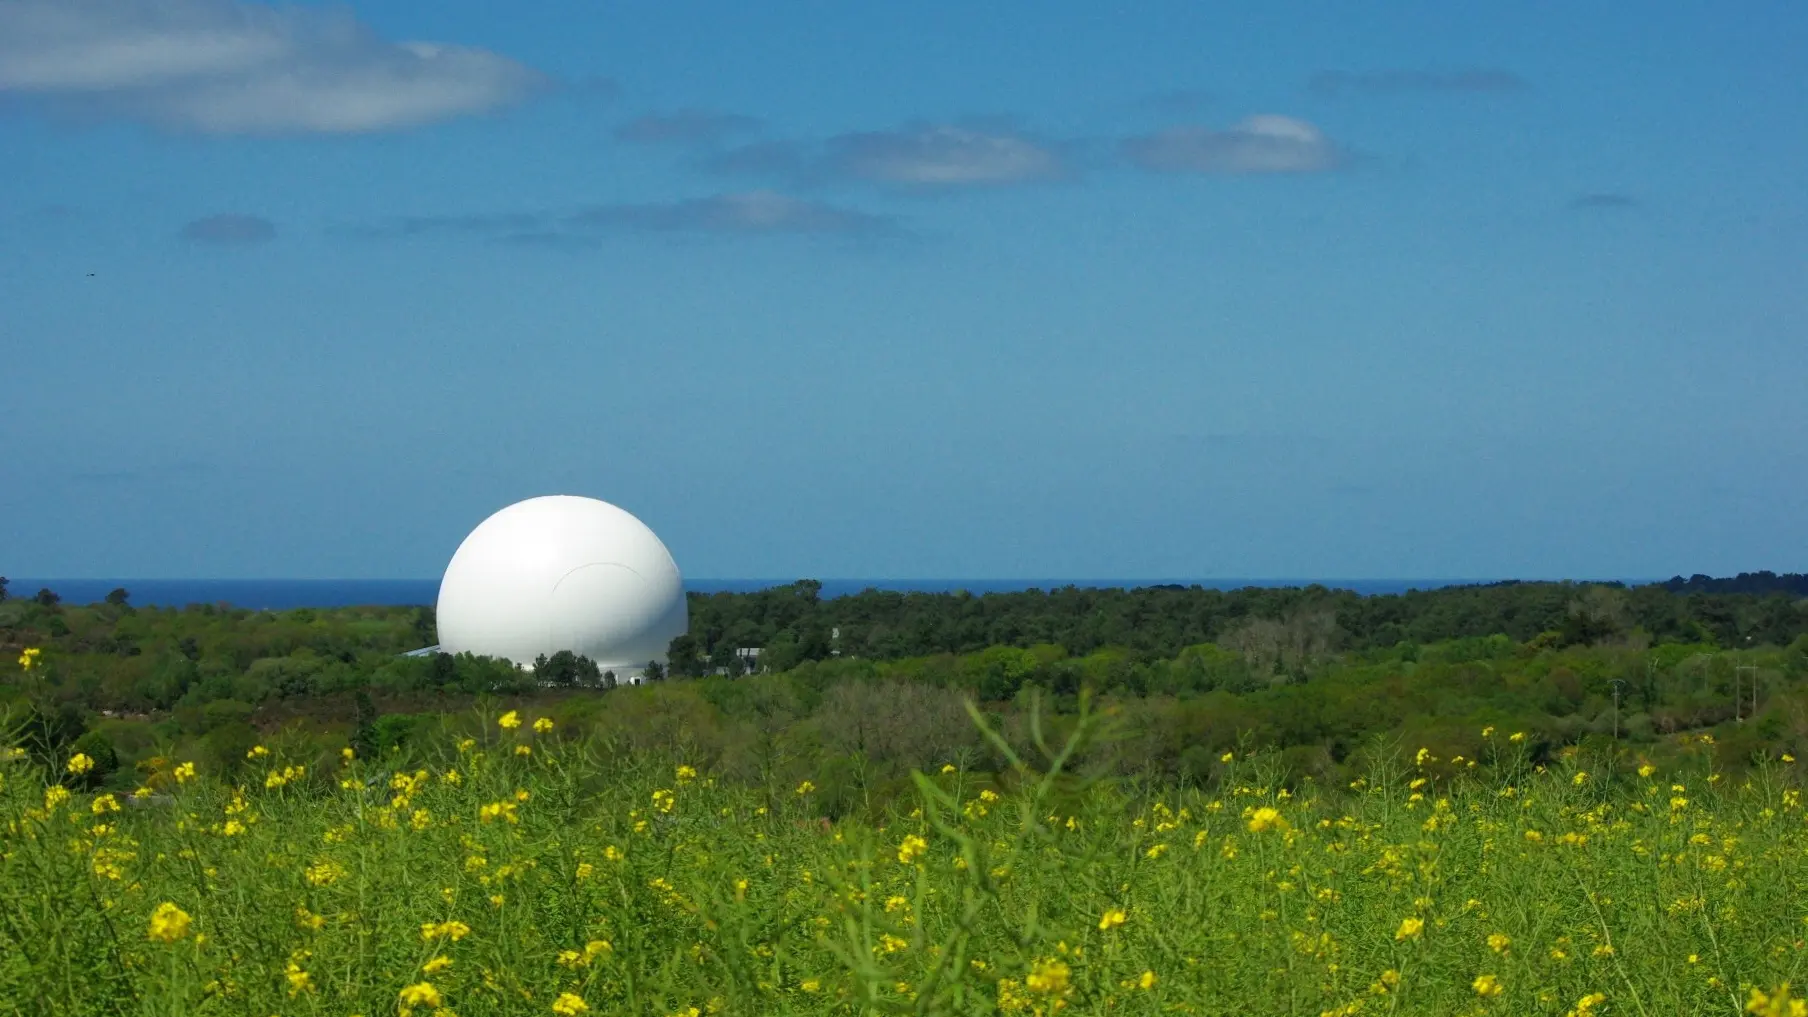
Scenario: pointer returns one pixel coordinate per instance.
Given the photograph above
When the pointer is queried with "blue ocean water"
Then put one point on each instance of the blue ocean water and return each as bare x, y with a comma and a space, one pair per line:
283, 594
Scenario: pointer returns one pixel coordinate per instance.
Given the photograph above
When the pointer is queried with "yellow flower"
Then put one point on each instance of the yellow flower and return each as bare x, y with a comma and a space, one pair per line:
80, 763
509, 721
585, 869
1112, 918
1227, 757
1156, 850
543, 725
569, 1005
910, 848
1775, 1004
347, 754
1410, 928
524, 750
1049, 977
948, 768
805, 788
1646, 770
28, 658
1486, 985
1787, 758
436, 965
257, 752
811, 985
1266, 818
1488, 732
1517, 736
169, 923
184, 772
1147, 981
103, 805
1499, 941
323, 873
1580, 778
1423, 756
685, 774
453, 930
420, 994
596, 948
1589, 1002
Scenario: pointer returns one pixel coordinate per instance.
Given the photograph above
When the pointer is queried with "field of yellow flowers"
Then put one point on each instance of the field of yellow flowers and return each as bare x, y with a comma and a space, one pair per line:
524, 873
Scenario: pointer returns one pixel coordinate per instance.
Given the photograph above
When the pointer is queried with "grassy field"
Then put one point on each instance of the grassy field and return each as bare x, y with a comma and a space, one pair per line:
519, 872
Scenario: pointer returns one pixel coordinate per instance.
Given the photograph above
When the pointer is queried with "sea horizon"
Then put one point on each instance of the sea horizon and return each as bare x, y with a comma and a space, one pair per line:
288, 594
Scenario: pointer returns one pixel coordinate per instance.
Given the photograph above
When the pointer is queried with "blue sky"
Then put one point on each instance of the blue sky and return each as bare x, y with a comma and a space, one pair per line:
942, 289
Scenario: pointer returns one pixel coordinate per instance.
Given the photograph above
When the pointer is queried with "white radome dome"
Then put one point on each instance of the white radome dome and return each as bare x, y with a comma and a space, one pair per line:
563, 573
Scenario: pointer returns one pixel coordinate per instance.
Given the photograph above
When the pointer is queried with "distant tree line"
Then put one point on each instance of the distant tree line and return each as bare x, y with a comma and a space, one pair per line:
792, 624
1793, 583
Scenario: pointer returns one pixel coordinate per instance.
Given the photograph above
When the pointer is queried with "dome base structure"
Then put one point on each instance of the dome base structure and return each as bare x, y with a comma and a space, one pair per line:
563, 573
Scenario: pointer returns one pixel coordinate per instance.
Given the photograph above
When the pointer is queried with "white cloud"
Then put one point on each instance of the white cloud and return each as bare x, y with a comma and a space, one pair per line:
226, 67
1260, 144
942, 155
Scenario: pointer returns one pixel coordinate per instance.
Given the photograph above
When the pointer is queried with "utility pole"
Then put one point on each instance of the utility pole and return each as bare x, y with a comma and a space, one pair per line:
1738, 673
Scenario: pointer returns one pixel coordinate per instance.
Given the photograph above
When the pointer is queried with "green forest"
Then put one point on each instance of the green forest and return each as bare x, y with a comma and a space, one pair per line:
854, 692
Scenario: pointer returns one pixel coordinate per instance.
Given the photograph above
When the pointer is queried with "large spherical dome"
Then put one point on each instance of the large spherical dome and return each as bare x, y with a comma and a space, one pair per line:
562, 573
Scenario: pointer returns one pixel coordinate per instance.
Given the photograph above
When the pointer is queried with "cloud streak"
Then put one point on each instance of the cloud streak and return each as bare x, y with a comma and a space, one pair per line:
230, 229
684, 127
1402, 82
744, 213
1259, 144
230, 67
1603, 201
918, 156
943, 155
740, 213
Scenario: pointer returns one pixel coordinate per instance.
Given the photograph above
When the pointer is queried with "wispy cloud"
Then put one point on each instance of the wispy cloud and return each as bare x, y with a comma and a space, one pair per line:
230, 67
743, 213
747, 212
1259, 144
685, 127
1602, 200
1396, 82
918, 156
776, 158
943, 155
230, 229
